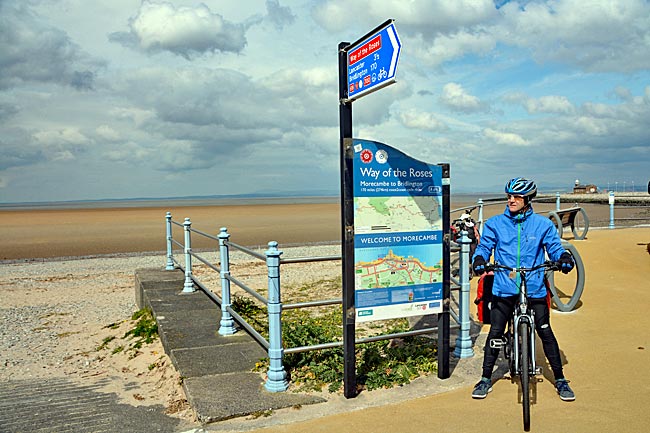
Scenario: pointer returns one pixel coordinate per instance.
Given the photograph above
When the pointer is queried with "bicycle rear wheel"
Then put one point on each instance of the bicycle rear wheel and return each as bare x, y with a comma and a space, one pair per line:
524, 335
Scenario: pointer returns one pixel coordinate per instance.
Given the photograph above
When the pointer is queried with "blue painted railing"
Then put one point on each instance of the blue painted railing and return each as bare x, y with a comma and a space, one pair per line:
276, 374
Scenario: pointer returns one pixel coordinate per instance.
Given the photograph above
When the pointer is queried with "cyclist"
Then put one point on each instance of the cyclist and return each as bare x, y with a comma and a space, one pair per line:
519, 238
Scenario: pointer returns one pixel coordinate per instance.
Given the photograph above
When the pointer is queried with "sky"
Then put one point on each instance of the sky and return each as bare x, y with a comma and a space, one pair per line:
112, 99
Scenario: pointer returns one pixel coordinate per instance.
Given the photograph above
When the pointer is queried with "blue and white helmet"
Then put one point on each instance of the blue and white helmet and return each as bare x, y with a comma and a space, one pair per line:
523, 187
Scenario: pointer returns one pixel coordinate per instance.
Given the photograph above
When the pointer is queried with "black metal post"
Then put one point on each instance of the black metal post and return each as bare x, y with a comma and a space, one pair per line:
347, 228
443, 318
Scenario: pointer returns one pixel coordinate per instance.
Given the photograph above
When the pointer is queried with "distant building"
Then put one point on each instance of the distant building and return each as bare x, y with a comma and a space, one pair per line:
584, 189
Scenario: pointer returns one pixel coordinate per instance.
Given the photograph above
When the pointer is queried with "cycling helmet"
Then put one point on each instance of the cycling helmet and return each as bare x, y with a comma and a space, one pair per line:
523, 187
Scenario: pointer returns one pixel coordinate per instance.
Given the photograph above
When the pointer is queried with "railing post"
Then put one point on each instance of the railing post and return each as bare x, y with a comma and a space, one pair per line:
227, 324
480, 215
188, 287
464, 341
170, 261
611, 209
557, 201
276, 376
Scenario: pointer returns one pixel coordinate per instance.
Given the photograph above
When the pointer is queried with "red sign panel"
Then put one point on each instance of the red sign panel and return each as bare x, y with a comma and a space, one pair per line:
364, 50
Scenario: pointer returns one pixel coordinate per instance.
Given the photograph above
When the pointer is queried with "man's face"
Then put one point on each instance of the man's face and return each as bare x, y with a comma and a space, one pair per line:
515, 203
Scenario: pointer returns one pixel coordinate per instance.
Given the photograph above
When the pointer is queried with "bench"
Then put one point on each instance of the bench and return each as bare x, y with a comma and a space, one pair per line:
576, 217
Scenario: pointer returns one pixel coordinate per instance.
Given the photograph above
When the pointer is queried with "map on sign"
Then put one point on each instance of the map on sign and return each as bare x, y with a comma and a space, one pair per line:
396, 214
398, 226
393, 270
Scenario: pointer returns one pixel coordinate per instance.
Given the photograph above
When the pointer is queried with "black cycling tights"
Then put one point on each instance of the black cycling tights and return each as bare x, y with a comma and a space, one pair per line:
502, 309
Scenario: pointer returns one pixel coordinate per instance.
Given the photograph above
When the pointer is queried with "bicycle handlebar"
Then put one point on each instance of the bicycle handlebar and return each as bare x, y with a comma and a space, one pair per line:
555, 266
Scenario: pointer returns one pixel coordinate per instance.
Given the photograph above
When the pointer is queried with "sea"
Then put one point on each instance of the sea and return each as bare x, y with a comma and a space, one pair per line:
460, 199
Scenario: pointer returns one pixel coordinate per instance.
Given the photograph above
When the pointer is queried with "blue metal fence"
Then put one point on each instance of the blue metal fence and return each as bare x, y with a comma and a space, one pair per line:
276, 374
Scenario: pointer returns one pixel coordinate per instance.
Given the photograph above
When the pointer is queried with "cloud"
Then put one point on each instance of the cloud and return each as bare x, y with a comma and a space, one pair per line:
19, 147
213, 115
7, 111
33, 51
611, 36
107, 133
595, 36
457, 99
185, 31
414, 17
279, 16
549, 104
505, 138
422, 120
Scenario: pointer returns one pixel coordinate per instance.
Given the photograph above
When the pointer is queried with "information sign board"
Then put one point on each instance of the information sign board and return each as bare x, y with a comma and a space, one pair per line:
398, 242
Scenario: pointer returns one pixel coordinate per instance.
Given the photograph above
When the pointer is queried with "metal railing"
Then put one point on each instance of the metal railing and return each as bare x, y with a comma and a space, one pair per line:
276, 374
612, 203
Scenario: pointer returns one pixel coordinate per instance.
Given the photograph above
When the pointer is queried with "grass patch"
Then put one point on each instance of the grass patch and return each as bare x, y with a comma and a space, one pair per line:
380, 364
144, 331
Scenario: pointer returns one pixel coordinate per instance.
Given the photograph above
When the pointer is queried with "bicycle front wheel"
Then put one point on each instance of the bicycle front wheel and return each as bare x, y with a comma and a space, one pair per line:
524, 335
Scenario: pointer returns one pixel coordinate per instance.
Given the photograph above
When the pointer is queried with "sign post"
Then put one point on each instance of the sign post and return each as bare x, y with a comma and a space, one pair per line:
366, 66
347, 228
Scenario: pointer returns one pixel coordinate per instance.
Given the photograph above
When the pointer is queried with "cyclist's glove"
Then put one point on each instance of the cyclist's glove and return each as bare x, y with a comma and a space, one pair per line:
566, 262
479, 265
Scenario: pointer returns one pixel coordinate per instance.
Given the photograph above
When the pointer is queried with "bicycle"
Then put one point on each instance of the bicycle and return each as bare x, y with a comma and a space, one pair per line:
519, 339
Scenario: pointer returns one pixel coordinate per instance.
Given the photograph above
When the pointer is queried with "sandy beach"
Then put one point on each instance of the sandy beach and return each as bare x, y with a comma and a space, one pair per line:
40, 233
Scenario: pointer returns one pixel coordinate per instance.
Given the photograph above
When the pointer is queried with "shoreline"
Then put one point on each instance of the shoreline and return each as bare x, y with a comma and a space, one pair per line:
65, 234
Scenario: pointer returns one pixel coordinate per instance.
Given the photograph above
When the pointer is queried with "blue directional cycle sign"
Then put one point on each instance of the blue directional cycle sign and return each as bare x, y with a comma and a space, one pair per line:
373, 61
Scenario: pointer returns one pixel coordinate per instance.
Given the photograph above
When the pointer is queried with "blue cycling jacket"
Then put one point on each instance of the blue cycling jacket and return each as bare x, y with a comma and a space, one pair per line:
519, 240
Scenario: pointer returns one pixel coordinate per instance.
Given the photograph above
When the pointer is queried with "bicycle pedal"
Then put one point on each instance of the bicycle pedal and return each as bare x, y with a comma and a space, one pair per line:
497, 344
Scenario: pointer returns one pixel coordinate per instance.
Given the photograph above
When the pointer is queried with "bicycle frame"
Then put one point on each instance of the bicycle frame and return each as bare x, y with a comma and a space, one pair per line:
523, 314
520, 349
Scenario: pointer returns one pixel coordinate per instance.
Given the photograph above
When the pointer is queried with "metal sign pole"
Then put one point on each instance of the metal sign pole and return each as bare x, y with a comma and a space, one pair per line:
347, 228
443, 318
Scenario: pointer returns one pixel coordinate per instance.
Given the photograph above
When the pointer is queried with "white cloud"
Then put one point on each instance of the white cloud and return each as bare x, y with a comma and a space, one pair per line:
591, 126
549, 104
445, 47
61, 137
185, 31
457, 99
422, 120
594, 35
415, 17
136, 115
505, 138
107, 133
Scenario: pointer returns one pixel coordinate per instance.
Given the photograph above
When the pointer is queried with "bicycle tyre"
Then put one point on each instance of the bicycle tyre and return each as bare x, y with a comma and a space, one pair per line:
524, 334
580, 281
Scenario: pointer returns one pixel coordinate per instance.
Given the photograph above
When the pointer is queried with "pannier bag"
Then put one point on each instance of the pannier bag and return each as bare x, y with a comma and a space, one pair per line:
484, 297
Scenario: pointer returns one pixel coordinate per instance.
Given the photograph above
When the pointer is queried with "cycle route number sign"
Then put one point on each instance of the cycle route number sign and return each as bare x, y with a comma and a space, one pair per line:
372, 63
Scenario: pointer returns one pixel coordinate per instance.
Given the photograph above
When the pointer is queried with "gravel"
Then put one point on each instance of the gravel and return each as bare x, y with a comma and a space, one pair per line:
54, 313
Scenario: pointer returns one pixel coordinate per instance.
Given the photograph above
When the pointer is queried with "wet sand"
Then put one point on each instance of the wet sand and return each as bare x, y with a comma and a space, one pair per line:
39, 233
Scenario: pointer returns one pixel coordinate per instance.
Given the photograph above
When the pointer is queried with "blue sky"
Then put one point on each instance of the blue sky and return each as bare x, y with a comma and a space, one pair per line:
129, 98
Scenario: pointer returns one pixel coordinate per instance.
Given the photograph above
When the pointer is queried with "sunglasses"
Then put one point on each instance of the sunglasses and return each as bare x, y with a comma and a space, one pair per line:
515, 197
